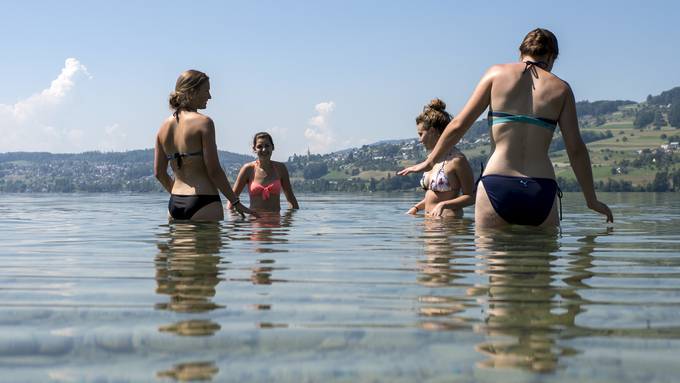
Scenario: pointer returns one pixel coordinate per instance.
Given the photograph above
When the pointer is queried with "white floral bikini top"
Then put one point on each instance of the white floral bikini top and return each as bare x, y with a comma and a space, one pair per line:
439, 182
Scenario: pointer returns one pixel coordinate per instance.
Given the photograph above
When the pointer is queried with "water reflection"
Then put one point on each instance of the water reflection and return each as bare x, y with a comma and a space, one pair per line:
188, 270
266, 238
268, 233
192, 371
443, 265
528, 306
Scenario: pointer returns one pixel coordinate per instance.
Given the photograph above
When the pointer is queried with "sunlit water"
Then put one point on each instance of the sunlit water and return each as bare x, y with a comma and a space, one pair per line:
101, 288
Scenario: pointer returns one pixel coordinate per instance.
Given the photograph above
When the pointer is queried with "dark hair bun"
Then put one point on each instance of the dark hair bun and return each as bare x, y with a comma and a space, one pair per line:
434, 115
540, 42
175, 101
436, 104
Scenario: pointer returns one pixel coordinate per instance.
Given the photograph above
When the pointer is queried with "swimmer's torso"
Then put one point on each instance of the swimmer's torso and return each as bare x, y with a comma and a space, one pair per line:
186, 137
521, 149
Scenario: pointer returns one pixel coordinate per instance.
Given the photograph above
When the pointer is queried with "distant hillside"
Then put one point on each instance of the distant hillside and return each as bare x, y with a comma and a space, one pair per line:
88, 172
633, 147
630, 151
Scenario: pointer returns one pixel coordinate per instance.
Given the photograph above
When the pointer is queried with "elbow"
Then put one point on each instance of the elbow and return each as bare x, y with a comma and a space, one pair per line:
577, 151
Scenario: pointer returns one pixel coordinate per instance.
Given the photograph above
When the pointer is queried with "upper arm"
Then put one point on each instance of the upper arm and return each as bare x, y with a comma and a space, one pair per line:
461, 168
210, 156
160, 158
242, 179
480, 98
568, 122
285, 179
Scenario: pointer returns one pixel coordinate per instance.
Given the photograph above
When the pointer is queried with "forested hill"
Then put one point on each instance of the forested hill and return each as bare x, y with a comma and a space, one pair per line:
88, 172
633, 147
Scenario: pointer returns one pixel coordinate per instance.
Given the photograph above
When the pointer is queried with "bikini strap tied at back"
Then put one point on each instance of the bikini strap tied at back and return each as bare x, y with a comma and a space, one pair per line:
529, 64
178, 157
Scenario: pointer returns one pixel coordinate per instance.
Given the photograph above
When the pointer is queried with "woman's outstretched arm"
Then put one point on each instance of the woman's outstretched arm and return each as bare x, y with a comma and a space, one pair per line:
578, 155
478, 102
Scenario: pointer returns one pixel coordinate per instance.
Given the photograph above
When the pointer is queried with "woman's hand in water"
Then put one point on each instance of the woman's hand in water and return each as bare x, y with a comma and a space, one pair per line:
413, 210
602, 209
418, 168
438, 210
242, 210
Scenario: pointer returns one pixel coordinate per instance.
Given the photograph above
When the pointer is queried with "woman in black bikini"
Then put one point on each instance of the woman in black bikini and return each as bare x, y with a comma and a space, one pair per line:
187, 140
526, 102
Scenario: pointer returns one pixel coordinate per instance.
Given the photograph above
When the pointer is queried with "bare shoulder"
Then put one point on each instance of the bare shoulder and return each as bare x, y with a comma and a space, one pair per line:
459, 161
248, 166
167, 123
280, 166
200, 120
497, 69
557, 83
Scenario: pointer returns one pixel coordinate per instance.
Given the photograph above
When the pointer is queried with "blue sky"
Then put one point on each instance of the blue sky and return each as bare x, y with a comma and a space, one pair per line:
317, 74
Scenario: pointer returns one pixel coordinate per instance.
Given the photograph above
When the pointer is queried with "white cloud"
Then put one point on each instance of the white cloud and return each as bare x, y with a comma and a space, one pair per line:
278, 131
319, 134
25, 125
114, 139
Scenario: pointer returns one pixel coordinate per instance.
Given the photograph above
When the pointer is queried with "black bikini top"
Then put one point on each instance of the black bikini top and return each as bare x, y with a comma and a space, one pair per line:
178, 156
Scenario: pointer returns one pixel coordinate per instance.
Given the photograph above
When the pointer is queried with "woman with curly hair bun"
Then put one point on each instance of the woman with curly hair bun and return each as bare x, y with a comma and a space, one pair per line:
449, 185
187, 141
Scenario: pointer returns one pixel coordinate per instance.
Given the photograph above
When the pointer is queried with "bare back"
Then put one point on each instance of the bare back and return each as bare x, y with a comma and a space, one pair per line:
185, 136
521, 149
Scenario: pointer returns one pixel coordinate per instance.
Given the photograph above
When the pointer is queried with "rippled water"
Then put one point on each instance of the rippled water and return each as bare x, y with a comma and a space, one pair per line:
101, 288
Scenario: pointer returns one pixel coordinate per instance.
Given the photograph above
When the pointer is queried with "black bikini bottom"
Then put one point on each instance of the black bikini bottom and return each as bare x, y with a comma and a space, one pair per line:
185, 206
521, 200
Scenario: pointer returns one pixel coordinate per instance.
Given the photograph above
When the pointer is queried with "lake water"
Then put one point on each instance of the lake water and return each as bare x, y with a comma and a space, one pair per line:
348, 289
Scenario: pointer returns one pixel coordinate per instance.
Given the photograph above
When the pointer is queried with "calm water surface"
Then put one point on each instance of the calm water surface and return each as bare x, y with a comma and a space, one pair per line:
349, 289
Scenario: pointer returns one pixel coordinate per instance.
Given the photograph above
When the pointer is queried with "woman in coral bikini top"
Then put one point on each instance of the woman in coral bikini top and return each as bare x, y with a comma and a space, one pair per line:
265, 178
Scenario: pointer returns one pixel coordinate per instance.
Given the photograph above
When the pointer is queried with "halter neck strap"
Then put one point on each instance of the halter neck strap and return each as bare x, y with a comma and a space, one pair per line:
541, 64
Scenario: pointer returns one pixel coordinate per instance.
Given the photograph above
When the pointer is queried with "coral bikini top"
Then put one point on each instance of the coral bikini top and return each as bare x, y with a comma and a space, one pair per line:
265, 190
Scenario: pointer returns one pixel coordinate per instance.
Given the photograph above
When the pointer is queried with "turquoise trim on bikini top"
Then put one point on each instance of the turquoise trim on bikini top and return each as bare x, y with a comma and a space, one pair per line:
502, 117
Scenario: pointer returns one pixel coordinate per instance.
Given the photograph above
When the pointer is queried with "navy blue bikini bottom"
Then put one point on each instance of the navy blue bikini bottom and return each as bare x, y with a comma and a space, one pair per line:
521, 200
185, 206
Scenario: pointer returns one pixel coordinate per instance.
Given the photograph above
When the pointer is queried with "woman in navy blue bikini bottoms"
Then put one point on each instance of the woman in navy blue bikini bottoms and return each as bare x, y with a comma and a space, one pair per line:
526, 103
187, 140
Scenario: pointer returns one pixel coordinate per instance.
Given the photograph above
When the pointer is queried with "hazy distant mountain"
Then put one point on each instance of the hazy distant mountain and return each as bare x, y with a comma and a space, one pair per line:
89, 171
624, 137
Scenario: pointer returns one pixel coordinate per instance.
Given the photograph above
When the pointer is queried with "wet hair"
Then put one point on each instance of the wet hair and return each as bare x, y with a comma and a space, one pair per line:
539, 43
434, 115
263, 135
187, 84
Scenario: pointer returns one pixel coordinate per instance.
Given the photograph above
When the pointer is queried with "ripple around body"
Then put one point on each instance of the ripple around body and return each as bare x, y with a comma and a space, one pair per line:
103, 288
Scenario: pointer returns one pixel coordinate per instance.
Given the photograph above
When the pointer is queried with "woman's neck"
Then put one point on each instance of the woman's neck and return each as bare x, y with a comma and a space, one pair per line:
264, 162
